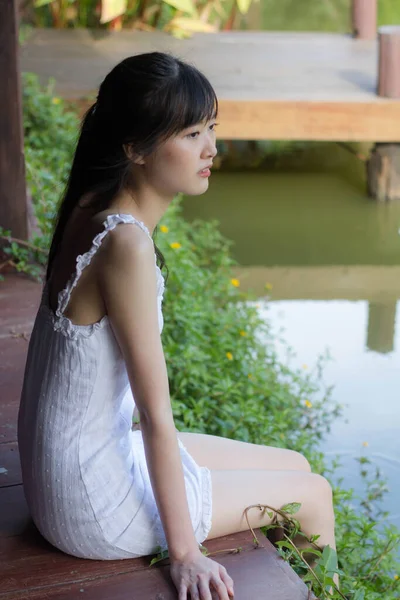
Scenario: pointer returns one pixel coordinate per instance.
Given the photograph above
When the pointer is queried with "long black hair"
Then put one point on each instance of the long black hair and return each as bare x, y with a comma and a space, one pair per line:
142, 101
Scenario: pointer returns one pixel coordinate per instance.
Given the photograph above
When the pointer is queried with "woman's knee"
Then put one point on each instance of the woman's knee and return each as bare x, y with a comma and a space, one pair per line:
321, 496
299, 461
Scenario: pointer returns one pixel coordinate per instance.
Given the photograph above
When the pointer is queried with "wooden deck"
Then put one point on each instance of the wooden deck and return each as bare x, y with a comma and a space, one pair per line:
32, 568
298, 86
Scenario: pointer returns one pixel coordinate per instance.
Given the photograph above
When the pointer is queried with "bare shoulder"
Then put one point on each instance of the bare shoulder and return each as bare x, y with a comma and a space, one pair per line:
126, 245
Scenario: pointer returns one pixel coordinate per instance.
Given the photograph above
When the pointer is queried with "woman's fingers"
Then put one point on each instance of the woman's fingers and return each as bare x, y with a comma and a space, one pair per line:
194, 592
182, 592
220, 586
204, 589
227, 579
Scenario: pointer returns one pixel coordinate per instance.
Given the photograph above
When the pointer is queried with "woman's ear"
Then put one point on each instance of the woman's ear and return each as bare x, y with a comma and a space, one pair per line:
133, 156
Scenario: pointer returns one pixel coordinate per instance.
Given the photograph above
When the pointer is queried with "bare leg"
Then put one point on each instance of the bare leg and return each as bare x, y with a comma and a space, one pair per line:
217, 452
244, 474
234, 490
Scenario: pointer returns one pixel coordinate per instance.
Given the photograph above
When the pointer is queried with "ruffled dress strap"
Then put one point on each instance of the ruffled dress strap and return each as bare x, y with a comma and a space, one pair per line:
83, 260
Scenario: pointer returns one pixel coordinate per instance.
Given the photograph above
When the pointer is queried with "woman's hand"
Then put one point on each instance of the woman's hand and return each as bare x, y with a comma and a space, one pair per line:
197, 575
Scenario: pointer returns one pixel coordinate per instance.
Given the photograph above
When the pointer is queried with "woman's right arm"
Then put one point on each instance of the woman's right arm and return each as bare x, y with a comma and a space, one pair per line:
127, 282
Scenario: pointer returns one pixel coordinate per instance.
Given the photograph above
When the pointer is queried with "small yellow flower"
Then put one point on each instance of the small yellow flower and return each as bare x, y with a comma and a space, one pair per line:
175, 245
235, 282
56, 100
308, 403
304, 366
365, 444
243, 333
164, 228
268, 286
249, 375
229, 355
396, 577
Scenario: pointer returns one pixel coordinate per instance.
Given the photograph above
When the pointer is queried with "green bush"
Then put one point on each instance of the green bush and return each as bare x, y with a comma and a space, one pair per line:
225, 376
50, 136
224, 373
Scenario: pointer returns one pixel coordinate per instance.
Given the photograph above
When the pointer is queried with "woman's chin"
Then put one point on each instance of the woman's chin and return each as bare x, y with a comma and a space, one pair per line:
197, 190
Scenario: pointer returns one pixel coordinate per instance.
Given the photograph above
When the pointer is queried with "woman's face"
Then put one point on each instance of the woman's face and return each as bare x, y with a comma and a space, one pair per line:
178, 164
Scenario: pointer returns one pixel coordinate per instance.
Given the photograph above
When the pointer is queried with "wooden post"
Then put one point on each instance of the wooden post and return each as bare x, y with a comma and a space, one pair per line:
383, 168
365, 16
383, 172
389, 61
13, 203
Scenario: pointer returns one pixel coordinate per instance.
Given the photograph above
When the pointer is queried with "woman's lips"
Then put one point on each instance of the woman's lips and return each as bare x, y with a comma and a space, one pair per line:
205, 173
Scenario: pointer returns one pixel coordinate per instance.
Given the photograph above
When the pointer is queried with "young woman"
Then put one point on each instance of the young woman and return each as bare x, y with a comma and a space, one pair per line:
97, 487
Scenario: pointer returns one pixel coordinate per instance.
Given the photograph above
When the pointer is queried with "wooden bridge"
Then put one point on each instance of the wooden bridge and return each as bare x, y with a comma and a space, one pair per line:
293, 86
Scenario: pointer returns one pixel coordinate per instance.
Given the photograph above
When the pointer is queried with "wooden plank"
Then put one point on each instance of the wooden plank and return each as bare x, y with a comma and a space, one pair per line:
310, 120
14, 513
13, 203
258, 574
19, 300
8, 417
10, 466
31, 568
271, 85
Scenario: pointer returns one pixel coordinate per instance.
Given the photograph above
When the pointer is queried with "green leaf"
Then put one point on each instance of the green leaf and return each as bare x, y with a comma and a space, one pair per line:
285, 544
39, 3
243, 6
187, 24
186, 6
329, 559
292, 508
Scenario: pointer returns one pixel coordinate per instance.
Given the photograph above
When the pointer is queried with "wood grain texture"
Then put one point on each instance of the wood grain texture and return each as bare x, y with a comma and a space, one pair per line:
19, 300
31, 568
10, 467
310, 120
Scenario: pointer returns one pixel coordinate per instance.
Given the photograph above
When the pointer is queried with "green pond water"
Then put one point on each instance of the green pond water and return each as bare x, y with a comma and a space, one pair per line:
332, 256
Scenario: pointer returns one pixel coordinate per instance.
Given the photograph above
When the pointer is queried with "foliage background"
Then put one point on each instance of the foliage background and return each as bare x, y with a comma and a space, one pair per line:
208, 15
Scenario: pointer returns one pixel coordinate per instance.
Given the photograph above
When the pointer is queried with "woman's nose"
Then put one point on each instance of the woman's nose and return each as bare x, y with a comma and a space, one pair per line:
210, 149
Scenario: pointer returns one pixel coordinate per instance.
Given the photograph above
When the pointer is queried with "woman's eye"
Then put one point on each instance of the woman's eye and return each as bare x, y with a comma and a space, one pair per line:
194, 134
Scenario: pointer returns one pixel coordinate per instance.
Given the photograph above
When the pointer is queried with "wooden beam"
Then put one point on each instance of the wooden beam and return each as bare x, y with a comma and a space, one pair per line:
13, 203
310, 120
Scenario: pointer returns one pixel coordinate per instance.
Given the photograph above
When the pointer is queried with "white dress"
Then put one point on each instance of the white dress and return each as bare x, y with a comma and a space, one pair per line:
84, 470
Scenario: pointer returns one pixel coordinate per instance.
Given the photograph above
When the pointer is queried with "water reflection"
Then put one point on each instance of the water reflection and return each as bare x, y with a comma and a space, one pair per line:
366, 382
332, 257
